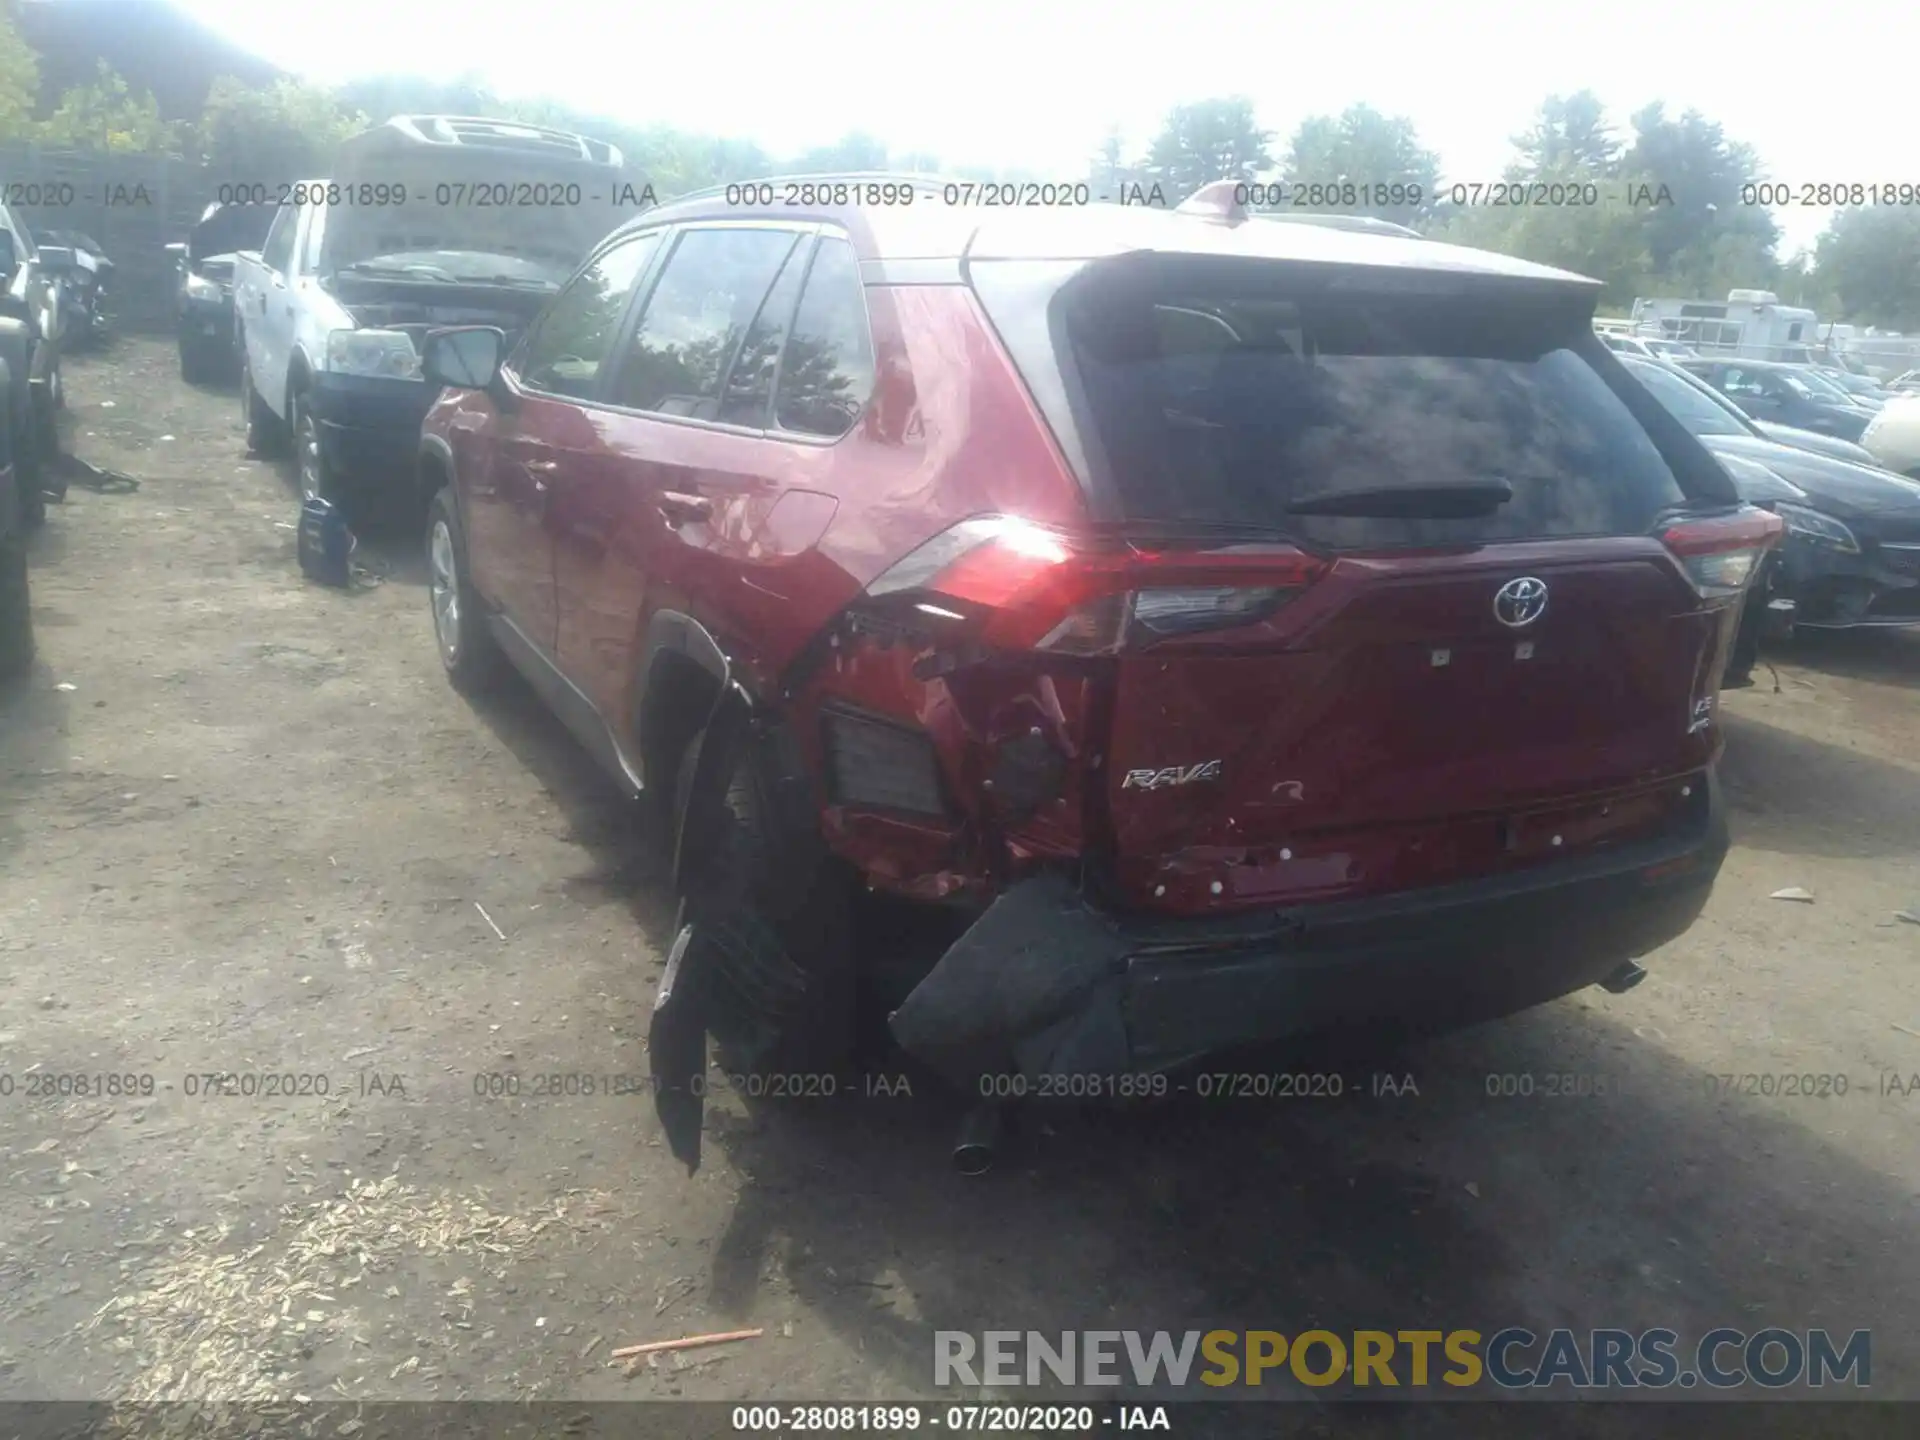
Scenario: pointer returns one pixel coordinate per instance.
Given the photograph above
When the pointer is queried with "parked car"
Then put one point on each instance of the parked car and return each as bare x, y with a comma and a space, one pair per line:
203, 317
1004, 561
32, 297
1646, 348
1893, 439
79, 264
1864, 389
1852, 550
1786, 394
332, 307
1766, 430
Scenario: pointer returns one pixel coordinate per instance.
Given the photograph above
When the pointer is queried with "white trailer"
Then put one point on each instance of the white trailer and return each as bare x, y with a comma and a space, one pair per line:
1749, 323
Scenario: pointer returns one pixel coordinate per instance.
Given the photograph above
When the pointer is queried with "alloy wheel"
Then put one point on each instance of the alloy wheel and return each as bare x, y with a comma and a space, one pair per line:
444, 582
306, 441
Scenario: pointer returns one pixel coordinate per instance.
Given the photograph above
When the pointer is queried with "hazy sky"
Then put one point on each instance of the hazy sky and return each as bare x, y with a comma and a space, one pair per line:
1035, 84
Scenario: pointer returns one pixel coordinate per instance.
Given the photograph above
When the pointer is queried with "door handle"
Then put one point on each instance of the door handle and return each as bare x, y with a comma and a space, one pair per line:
543, 467
679, 508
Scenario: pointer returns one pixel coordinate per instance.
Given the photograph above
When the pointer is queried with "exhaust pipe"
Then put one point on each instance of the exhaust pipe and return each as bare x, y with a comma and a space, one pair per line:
1630, 974
979, 1140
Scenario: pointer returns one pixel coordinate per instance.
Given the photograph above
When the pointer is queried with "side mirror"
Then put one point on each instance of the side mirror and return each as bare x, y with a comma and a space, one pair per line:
9, 259
467, 356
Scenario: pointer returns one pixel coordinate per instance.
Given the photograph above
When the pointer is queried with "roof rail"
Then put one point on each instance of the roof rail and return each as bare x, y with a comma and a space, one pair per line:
921, 181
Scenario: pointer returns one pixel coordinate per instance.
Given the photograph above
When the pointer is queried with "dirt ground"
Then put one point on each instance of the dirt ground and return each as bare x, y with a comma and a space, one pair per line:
246, 826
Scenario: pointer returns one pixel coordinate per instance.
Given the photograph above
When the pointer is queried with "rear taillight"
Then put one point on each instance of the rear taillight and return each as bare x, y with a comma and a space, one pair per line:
1022, 586
1721, 554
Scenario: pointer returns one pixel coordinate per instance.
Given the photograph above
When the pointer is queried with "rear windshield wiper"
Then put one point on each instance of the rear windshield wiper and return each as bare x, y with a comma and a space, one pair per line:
1443, 500
1175, 529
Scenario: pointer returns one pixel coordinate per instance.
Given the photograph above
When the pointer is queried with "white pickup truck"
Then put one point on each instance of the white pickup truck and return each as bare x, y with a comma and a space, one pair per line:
428, 220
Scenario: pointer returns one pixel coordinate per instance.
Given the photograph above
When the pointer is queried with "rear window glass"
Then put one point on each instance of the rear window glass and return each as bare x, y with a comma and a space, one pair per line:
1220, 406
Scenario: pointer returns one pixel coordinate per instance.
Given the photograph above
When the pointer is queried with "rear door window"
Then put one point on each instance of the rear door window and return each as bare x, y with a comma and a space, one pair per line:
707, 298
826, 374
1216, 405
746, 396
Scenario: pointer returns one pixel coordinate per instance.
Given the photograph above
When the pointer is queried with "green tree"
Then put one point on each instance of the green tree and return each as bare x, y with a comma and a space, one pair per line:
1208, 141
1706, 228
857, 151
1569, 133
1373, 152
19, 83
107, 115
1869, 259
284, 133
1570, 146
1603, 242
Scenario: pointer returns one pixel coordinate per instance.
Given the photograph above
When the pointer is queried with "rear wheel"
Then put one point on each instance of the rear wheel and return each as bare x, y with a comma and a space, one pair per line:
772, 888
466, 646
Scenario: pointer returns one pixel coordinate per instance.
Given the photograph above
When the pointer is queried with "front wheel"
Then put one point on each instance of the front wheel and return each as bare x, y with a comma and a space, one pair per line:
467, 648
317, 478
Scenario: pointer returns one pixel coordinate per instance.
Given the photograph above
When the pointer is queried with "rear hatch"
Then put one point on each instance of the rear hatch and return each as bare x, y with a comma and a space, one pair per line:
1411, 592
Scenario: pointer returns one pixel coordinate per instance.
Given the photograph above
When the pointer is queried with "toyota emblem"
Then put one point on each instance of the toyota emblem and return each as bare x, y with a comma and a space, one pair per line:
1520, 602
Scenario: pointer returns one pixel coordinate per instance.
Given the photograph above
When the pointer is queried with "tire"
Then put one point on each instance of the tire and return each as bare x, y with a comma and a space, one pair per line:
771, 884
266, 435
46, 423
16, 607
468, 652
317, 478
34, 434
16, 610
198, 364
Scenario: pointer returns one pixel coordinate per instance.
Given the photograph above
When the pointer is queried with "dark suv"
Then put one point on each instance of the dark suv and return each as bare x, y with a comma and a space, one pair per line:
1260, 628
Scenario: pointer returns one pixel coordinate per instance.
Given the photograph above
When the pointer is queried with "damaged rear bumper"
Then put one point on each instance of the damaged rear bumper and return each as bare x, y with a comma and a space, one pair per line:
1043, 984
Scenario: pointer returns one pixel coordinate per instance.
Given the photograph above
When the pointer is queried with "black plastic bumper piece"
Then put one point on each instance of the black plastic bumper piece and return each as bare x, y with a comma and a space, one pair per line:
371, 426
1044, 984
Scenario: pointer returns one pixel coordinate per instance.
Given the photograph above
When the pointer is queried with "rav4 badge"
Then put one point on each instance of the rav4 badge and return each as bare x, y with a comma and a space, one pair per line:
1172, 775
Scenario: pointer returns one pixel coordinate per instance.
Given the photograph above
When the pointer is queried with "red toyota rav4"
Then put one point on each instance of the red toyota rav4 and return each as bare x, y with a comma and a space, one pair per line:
1263, 628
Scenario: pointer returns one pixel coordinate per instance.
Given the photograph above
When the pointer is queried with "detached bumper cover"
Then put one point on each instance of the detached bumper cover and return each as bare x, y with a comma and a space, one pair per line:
370, 425
1044, 984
